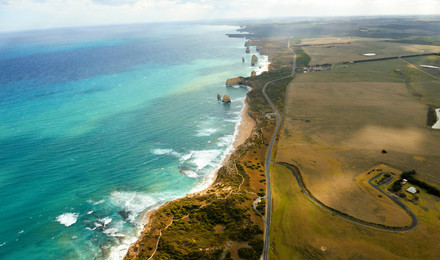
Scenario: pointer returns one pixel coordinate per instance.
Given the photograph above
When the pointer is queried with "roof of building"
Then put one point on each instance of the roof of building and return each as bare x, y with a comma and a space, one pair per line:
411, 190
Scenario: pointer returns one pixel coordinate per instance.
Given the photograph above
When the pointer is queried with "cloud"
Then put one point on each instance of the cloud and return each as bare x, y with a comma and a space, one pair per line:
41, 14
116, 2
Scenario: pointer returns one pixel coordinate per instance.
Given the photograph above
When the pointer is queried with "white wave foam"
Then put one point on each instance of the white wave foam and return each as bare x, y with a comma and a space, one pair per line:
185, 157
67, 219
210, 178
97, 224
20, 232
132, 202
204, 158
189, 173
225, 140
159, 151
119, 252
90, 212
263, 64
105, 220
2, 244
95, 202
206, 132
90, 228
113, 232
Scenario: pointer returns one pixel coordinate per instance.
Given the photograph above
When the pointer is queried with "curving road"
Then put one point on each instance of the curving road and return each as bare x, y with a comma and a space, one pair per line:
397, 201
350, 218
268, 196
268, 161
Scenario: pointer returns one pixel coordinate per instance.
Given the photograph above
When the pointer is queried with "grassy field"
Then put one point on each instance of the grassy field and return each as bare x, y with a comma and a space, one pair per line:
335, 50
336, 124
301, 230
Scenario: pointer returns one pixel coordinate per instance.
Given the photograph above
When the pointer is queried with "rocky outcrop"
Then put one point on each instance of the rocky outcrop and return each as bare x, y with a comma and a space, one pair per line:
219, 97
247, 49
235, 81
254, 60
253, 73
226, 99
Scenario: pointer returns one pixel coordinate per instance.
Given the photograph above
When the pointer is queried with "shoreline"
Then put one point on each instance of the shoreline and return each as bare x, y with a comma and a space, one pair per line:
242, 132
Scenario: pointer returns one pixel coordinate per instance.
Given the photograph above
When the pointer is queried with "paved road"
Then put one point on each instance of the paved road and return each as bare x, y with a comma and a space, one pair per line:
268, 158
353, 219
397, 201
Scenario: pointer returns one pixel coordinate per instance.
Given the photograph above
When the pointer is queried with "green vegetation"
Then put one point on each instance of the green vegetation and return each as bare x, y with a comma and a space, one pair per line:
302, 58
427, 40
247, 253
428, 187
396, 186
432, 115
261, 207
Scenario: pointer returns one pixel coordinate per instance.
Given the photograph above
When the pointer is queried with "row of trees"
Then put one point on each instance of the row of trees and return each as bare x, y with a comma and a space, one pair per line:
409, 176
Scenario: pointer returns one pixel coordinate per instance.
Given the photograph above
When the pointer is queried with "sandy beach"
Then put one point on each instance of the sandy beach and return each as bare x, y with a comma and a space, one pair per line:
243, 131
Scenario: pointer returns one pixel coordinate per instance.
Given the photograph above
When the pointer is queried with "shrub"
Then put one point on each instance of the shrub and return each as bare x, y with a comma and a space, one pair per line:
396, 186
257, 244
247, 253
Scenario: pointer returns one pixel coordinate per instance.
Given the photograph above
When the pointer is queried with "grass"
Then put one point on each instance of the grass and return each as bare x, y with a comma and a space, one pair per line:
221, 221
336, 124
301, 230
335, 50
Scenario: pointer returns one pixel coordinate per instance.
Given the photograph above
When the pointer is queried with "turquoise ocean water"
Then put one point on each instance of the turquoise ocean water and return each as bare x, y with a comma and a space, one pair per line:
98, 125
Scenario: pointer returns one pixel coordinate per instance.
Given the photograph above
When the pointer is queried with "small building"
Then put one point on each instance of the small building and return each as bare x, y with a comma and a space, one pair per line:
412, 190
404, 181
271, 116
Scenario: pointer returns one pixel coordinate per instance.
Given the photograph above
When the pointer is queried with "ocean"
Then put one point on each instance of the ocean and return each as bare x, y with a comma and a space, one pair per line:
100, 124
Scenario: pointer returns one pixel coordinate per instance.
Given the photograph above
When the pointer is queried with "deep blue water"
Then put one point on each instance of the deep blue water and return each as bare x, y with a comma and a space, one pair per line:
100, 124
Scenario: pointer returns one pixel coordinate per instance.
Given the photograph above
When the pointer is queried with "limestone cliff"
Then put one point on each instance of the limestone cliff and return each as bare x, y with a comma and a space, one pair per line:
235, 81
254, 60
226, 99
253, 73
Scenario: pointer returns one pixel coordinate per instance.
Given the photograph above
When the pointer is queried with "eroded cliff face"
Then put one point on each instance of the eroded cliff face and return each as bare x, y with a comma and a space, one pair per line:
235, 81
254, 60
253, 73
226, 99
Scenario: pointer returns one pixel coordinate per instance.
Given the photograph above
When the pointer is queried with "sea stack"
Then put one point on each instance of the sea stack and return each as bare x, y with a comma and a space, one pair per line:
219, 97
253, 73
235, 81
254, 60
226, 99
247, 49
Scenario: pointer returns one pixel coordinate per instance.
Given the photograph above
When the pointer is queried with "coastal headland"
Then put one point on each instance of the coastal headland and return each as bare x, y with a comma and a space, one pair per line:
351, 125
225, 221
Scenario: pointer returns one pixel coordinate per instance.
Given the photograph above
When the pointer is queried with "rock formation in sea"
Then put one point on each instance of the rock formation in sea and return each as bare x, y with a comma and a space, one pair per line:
254, 60
247, 49
226, 99
235, 81
253, 73
219, 97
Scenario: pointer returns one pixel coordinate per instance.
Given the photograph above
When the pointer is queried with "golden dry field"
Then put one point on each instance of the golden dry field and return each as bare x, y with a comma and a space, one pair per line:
334, 50
336, 124
301, 230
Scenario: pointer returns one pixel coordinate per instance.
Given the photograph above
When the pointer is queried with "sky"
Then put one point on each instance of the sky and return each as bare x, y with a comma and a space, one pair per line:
19, 15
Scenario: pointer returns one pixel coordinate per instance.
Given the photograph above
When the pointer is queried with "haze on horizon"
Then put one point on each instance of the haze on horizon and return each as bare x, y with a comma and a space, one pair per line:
19, 15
